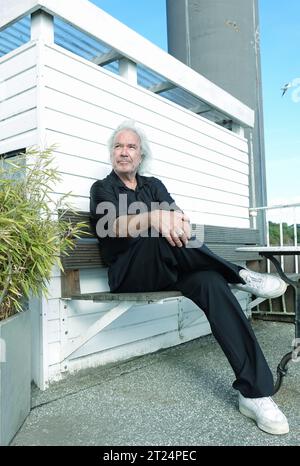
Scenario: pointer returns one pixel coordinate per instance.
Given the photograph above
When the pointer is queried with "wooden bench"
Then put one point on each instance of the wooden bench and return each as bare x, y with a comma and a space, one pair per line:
87, 255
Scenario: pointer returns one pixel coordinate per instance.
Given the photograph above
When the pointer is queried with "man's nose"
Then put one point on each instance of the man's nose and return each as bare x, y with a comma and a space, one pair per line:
125, 151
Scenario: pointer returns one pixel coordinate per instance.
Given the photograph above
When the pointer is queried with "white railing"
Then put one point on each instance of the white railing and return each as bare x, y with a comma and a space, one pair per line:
282, 223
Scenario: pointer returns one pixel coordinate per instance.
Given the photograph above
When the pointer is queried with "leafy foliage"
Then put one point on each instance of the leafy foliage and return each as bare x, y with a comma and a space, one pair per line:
33, 235
287, 230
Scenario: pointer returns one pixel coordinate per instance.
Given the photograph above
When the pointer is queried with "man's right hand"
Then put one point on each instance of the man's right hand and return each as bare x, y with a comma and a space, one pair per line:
173, 225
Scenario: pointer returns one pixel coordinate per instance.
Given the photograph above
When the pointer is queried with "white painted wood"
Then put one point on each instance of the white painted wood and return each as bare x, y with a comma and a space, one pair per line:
137, 315
42, 26
66, 62
160, 106
14, 9
18, 124
122, 353
128, 70
69, 164
238, 129
214, 167
15, 142
18, 104
98, 110
20, 83
41, 101
210, 218
87, 17
18, 120
201, 167
205, 167
18, 61
96, 328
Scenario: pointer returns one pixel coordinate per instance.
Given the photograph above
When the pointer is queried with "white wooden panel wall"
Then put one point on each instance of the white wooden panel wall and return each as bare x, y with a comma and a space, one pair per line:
18, 99
204, 166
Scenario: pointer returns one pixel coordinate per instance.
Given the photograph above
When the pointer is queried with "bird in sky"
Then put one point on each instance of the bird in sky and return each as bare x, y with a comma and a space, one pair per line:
285, 88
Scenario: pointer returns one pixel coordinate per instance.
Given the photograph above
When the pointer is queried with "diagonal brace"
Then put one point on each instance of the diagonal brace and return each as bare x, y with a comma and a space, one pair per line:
97, 326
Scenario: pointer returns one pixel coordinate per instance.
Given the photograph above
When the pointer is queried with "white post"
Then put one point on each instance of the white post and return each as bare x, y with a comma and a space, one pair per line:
42, 26
238, 129
128, 70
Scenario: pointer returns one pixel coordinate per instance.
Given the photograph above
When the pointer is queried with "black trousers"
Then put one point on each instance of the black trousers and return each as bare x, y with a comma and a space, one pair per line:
203, 277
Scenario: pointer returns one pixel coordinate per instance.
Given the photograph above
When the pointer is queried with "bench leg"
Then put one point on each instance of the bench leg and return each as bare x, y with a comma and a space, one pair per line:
96, 327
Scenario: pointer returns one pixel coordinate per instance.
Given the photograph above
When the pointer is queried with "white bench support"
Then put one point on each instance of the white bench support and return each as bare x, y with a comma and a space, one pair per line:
96, 327
69, 347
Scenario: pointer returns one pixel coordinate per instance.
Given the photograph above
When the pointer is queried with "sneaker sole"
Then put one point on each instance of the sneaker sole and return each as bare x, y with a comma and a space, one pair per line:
274, 295
268, 429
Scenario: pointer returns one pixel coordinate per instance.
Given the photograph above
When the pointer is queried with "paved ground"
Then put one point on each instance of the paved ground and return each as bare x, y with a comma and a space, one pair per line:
179, 396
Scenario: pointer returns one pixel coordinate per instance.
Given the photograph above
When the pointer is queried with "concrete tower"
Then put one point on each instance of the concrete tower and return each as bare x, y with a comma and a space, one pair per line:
220, 40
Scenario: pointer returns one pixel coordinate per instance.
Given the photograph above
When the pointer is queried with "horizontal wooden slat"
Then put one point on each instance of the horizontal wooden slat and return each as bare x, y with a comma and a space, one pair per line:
19, 103
212, 233
221, 240
215, 234
140, 297
17, 61
228, 252
104, 107
18, 124
85, 255
21, 82
15, 141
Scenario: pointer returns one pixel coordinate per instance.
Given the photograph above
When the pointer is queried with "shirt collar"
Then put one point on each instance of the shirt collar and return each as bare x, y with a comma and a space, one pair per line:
117, 181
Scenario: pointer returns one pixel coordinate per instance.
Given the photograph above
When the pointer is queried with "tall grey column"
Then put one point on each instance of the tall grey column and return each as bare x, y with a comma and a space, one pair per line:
220, 40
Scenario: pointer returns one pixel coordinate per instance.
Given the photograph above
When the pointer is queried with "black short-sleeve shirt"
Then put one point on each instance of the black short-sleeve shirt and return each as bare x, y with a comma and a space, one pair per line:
111, 194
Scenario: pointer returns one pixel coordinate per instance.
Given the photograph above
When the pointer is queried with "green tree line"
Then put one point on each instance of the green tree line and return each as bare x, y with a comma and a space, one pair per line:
288, 233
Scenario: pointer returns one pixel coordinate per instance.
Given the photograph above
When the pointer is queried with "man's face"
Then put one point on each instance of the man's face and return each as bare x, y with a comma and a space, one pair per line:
126, 155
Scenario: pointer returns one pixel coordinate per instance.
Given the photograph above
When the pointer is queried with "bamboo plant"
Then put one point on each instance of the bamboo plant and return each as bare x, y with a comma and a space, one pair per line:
33, 235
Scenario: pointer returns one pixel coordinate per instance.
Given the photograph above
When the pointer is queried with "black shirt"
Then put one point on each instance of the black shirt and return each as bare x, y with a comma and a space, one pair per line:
149, 192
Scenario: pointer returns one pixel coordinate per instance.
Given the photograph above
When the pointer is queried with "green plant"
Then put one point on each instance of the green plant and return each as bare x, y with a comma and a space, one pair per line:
33, 234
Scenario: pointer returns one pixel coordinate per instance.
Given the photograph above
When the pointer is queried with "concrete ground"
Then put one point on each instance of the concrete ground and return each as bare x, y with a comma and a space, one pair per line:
180, 396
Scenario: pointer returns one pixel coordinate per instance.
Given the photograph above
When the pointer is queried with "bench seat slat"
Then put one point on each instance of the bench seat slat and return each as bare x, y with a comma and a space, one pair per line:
141, 297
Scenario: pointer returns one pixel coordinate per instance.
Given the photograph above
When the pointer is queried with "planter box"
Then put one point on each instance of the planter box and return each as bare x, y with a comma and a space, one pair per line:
15, 374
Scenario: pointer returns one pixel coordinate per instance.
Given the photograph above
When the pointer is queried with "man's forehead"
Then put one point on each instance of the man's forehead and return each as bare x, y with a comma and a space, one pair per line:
129, 134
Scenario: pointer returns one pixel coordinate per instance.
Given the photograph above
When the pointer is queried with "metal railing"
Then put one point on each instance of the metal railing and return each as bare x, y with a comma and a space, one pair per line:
283, 229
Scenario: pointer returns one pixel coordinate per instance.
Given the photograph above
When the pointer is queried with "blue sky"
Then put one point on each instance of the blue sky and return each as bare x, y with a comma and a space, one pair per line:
280, 58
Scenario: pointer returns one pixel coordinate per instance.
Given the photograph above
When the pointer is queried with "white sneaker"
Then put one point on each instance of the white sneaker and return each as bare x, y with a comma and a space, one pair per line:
263, 285
265, 413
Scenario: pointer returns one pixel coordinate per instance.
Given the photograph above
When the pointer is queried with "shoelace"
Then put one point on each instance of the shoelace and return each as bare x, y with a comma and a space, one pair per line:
268, 403
253, 281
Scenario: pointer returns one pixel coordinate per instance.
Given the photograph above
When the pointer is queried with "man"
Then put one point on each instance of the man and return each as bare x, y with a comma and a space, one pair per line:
146, 240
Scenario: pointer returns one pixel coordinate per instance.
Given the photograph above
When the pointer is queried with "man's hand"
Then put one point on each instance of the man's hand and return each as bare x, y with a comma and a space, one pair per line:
174, 226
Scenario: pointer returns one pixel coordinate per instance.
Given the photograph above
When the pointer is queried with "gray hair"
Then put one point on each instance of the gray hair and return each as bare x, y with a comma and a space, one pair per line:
145, 148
